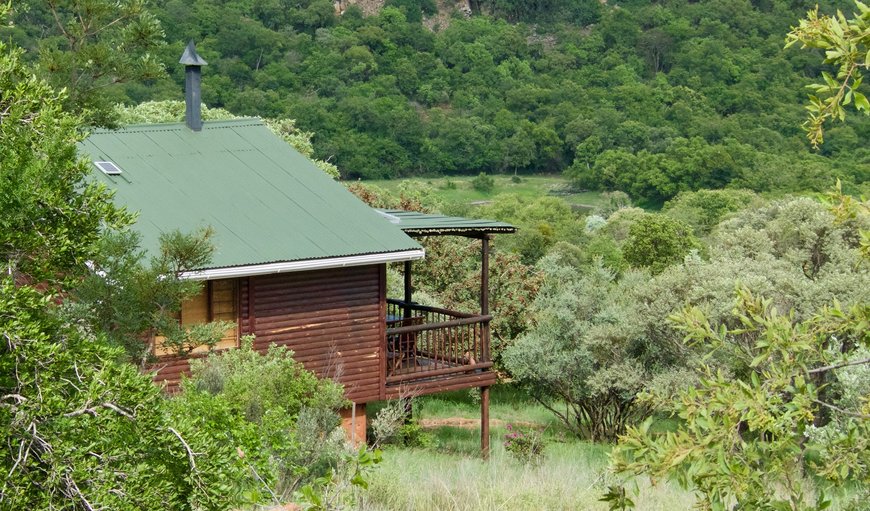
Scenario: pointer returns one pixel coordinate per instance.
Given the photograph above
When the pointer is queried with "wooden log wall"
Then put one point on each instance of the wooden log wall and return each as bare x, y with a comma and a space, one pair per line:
334, 321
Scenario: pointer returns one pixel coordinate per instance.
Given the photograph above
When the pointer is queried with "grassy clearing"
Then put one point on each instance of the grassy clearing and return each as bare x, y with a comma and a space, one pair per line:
507, 404
451, 476
573, 476
529, 187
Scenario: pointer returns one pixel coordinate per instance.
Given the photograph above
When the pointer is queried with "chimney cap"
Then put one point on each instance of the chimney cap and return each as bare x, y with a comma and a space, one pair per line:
190, 57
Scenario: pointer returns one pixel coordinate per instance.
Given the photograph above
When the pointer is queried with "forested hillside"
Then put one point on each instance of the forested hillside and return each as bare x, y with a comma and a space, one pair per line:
648, 98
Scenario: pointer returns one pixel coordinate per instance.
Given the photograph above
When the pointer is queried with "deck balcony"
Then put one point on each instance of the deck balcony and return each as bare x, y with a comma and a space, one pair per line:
432, 349
429, 349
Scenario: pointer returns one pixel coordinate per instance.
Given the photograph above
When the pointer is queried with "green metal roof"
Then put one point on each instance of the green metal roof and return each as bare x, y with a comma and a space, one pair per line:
265, 201
424, 224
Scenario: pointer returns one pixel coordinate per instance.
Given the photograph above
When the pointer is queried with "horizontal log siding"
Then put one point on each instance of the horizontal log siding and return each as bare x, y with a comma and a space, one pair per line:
169, 369
331, 319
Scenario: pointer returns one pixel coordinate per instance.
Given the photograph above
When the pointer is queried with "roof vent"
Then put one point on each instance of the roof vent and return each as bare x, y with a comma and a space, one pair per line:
192, 89
108, 168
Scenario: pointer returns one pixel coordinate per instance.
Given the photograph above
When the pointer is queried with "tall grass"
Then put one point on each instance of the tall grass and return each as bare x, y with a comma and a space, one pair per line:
451, 475
573, 476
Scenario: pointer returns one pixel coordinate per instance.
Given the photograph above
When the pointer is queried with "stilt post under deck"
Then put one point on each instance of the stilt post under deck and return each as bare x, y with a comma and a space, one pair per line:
484, 275
484, 310
484, 422
484, 294
408, 290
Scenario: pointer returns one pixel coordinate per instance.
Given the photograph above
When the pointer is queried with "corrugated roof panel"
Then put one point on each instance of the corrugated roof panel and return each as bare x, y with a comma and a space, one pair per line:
425, 224
265, 201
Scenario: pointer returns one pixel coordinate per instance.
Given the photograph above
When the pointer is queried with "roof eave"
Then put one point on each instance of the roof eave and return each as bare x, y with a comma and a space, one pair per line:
453, 231
304, 265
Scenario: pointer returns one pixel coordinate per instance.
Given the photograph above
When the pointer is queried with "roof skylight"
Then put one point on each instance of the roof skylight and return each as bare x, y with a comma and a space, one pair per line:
108, 168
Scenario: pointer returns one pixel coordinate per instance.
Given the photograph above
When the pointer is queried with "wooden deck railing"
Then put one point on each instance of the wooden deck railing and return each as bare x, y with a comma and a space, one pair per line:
425, 343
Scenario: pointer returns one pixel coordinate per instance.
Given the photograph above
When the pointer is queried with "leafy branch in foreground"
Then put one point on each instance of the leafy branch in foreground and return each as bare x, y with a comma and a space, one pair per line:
846, 43
749, 441
94, 45
126, 299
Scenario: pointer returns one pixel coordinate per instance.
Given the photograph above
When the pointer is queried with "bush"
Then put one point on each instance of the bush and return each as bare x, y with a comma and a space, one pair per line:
392, 426
656, 242
525, 444
280, 417
483, 183
562, 361
704, 209
516, 179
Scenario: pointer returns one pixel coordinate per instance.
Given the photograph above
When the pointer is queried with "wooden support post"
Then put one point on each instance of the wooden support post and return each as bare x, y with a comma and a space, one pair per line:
484, 422
484, 275
484, 295
408, 289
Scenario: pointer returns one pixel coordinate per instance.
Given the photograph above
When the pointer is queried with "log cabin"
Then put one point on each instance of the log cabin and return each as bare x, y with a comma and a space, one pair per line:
299, 261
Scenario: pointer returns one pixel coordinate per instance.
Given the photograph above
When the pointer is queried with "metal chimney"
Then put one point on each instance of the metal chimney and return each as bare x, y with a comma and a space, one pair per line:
192, 86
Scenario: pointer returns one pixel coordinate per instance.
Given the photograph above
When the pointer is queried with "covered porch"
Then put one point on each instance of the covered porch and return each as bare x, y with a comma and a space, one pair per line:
431, 349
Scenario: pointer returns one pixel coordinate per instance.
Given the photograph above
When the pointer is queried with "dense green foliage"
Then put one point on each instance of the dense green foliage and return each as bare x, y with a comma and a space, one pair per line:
80, 430
651, 99
598, 335
278, 420
778, 418
750, 441
846, 43
90, 46
658, 241
49, 216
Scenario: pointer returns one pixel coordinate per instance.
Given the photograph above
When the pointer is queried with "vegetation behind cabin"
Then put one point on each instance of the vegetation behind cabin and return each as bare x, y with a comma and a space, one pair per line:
738, 312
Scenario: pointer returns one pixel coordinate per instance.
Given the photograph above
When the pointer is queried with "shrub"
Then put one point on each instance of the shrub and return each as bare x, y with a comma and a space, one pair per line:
516, 179
585, 357
392, 426
280, 417
704, 209
483, 183
656, 242
594, 223
525, 444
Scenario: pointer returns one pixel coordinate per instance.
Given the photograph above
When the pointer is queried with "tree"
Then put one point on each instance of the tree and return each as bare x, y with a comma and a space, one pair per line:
590, 348
846, 43
747, 441
50, 215
78, 428
126, 299
656, 241
63, 389
94, 45
704, 209
779, 416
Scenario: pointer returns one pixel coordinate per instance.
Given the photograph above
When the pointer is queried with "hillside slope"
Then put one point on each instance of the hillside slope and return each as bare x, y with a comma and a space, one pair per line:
648, 98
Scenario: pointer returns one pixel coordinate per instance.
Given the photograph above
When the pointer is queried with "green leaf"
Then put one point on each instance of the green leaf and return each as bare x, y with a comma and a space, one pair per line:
861, 102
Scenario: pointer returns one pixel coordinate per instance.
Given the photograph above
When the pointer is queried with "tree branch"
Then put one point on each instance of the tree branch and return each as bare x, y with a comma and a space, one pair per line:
840, 410
190, 454
837, 366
